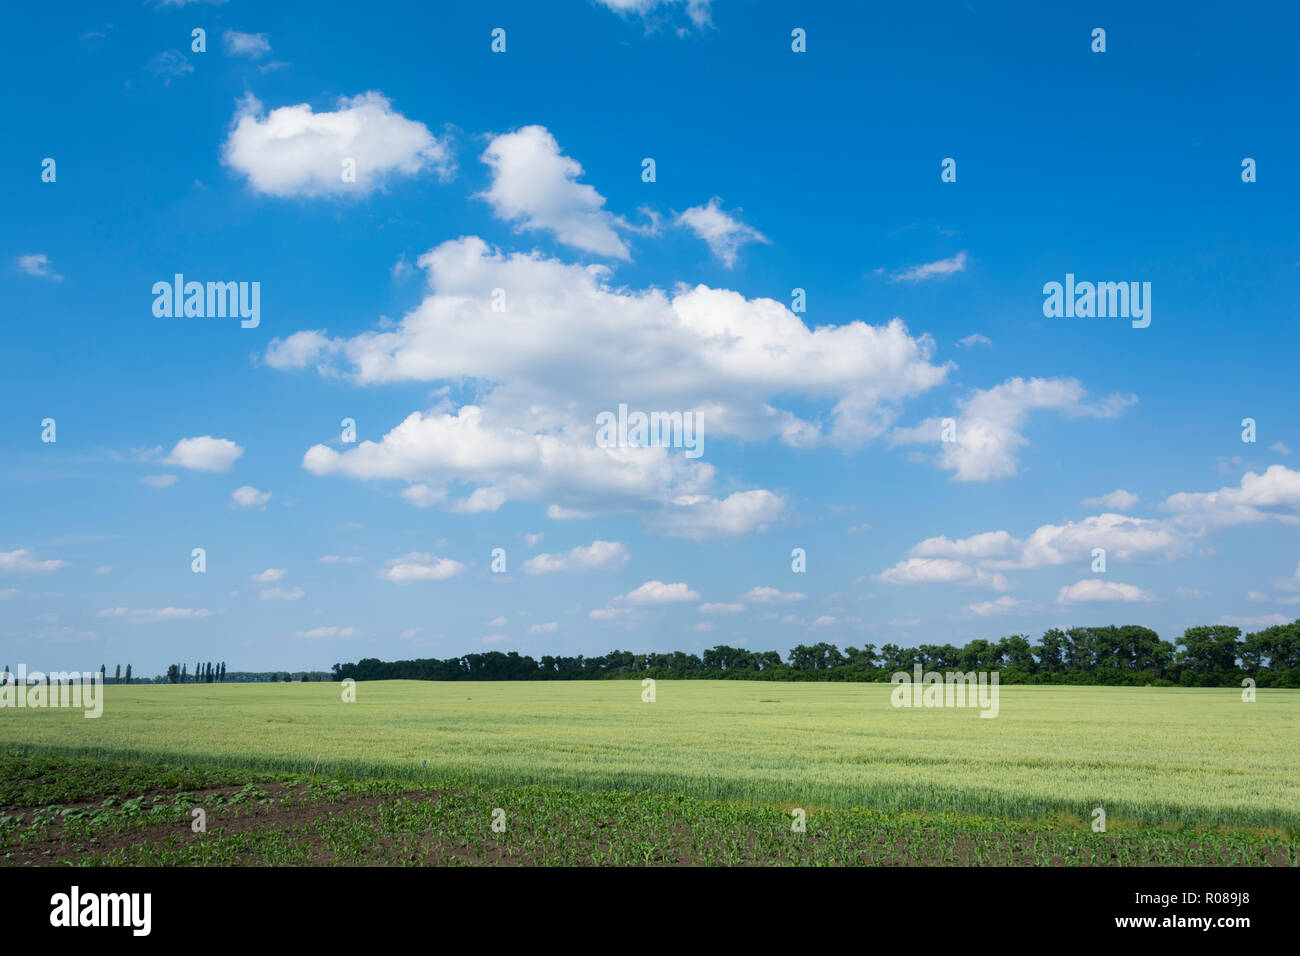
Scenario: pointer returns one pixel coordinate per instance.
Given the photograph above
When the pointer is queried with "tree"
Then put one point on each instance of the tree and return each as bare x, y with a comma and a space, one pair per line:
1211, 650
128, 673
173, 674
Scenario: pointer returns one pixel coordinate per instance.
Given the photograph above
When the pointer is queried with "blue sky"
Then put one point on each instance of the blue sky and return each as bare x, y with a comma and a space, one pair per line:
522, 171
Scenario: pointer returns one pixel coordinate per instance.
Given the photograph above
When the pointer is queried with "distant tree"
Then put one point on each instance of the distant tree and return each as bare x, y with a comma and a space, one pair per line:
103, 674
223, 671
173, 674
128, 673
117, 674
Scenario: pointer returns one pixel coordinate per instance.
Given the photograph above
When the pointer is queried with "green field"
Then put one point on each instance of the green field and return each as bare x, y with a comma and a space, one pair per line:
1148, 756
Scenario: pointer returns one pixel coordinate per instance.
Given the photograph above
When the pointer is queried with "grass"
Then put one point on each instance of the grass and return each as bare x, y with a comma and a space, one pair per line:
111, 813
1150, 757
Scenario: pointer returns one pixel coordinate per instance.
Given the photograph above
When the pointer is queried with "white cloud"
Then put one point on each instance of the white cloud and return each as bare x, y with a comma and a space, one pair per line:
1126, 539
536, 186
971, 341
858, 529
765, 595
530, 435
104, 569
293, 151
657, 592
497, 622
550, 627
252, 45
597, 556
38, 264
338, 559
249, 498
703, 516
608, 613
532, 540
1000, 605
423, 496
331, 631
704, 626
494, 638
718, 608
269, 576
155, 615
159, 481
280, 594
987, 436
204, 454
941, 571
724, 233
1118, 500
1273, 495
421, 566
22, 562
1100, 590
932, 270
697, 10
1280, 448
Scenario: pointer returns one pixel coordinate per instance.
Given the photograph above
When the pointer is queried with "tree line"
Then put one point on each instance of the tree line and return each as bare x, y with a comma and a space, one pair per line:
1213, 655
203, 673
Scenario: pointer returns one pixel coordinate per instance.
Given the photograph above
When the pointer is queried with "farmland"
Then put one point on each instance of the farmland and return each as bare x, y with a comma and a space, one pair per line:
1150, 757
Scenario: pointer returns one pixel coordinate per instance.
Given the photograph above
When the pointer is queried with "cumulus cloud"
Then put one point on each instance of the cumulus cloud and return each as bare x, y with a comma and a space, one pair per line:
536, 186
1100, 590
23, 562
421, 566
38, 264
988, 437
597, 556
550, 627
269, 576
292, 151
934, 270
657, 592
1272, 496
1118, 500
529, 434
204, 454
724, 232
249, 498
941, 571
1124, 538
971, 341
